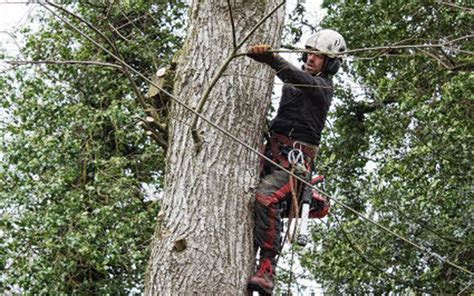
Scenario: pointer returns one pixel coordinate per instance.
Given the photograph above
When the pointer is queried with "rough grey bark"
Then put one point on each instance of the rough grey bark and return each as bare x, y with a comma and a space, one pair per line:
204, 243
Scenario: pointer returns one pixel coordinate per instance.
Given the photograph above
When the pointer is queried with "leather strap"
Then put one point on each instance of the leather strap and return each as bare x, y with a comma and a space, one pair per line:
281, 139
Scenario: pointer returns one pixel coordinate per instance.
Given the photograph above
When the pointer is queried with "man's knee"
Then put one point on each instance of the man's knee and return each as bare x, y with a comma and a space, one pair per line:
266, 200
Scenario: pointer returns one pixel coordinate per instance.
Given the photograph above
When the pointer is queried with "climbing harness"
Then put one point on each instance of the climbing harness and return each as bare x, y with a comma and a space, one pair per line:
297, 157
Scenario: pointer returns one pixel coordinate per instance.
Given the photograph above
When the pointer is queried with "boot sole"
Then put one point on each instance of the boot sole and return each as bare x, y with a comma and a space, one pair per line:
259, 289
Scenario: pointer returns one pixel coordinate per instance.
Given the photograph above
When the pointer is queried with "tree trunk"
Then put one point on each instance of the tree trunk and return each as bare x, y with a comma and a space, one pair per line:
204, 242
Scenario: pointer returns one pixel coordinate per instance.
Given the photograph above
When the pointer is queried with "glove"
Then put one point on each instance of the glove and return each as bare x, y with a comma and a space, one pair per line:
319, 207
261, 53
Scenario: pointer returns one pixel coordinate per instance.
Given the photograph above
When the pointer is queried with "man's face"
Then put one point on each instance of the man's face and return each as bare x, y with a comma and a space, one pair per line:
314, 63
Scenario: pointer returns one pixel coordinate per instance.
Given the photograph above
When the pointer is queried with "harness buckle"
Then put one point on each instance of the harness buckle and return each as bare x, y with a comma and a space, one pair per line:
296, 158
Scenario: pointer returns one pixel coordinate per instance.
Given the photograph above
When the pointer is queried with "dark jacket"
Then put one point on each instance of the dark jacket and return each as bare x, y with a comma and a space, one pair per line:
304, 103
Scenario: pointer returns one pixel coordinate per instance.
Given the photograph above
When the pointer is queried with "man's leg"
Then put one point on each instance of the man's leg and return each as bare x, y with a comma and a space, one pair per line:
272, 189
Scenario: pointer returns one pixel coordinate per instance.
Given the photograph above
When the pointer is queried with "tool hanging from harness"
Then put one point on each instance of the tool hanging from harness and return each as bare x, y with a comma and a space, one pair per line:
314, 205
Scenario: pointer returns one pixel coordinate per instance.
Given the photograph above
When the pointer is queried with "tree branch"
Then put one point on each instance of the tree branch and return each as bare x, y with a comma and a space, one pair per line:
234, 37
463, 8
118, 32
414, 46
369, 262
131, 21
140, 97
465, 289
151, 131
438, 59
378, 48
67, 62
363, 107
194, 132
260, 23
81, 19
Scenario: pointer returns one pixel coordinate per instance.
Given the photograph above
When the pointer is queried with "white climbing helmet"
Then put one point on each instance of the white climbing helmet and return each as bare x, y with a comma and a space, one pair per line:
328, 42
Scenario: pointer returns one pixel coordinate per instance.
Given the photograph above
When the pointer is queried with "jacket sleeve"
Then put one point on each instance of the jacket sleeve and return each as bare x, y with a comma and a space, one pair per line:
292, 75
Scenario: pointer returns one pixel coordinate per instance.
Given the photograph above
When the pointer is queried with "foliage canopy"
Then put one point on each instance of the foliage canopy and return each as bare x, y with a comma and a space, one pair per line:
399, 148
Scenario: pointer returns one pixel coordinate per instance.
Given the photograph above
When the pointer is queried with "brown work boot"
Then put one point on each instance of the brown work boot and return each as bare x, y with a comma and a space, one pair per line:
262, 281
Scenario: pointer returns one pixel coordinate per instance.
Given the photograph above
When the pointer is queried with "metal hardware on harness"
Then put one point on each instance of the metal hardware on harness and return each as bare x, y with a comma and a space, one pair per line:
296, 157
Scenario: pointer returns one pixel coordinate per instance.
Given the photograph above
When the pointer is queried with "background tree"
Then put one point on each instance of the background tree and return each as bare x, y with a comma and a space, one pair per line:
75, 215
400, 149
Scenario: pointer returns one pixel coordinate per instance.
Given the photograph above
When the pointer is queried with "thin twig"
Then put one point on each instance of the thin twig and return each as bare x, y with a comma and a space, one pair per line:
234, 37
109, 9
154, 134
412, 46
459, 39
463, 8
376, 48
436, 58
118, 32
466, 288
57, 62
81, 19
260, 23
132, 21
461, 50
194, 132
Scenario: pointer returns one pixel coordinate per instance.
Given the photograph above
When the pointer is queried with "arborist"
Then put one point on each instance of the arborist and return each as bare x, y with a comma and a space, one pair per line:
305, 101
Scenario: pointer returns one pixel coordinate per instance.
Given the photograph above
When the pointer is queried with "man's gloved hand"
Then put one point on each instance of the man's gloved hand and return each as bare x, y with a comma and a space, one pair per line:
319, 206
261, 53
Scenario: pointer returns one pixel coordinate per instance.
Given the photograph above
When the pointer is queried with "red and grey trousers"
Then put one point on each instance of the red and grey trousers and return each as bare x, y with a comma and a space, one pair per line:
274, 189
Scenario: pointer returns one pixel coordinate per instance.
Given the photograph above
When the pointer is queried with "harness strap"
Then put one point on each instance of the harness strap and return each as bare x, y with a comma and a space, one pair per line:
308, 149
277, 155
279, 140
